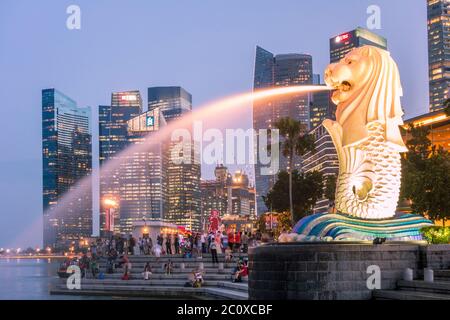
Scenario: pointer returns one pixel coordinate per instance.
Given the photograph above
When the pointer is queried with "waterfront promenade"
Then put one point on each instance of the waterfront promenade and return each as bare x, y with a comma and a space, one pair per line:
217, 280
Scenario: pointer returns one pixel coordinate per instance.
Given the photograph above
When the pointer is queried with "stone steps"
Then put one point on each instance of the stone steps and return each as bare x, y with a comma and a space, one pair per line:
422, 286
205, 257
174, 271
153, 291
416, 290
407, 295
162, 276
226, 284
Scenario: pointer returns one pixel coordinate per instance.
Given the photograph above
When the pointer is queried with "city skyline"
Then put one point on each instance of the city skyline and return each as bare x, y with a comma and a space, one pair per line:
242, 72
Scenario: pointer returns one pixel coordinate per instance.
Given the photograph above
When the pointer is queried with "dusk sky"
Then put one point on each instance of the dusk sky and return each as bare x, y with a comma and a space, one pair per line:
207, 47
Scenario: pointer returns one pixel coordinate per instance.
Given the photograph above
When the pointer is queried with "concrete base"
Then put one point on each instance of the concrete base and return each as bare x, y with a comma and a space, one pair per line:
337, 270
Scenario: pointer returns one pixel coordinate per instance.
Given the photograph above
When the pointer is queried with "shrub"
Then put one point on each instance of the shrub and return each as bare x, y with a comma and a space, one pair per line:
436, 235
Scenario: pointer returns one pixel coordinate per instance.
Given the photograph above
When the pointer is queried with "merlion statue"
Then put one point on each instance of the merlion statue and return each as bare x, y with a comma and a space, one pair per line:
366, 132
367, 138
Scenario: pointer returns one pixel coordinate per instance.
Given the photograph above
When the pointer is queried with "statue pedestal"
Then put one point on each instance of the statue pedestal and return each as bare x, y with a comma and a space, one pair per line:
338, 270
341, 227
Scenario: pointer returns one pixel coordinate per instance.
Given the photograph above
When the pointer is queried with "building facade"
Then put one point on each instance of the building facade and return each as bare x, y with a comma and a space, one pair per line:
142, 173
438, 15
438, 124
324, 160
342, 44
67, 166
231, 195
279, 71
113, 138
183, 177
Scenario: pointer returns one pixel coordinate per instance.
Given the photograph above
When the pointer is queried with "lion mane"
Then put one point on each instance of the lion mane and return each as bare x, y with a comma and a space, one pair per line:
378, 100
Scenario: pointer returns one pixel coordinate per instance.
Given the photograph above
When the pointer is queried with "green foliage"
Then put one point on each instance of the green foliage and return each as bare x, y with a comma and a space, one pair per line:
436, 235
284, 223
426, 176
295, 142
307, 189
330, 187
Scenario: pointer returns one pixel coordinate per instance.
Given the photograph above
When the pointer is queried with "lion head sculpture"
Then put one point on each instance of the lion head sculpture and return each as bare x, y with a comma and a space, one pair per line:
368, 89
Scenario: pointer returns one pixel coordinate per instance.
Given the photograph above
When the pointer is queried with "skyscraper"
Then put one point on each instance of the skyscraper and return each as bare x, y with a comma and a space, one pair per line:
183, 179
438, 52
67, 159
342, 44
279, 71
142, 173
113, 138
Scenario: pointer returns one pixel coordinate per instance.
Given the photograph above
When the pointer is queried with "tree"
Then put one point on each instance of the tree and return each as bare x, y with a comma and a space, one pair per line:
330, 187
295, 142
426, 176
283, 223
307, 189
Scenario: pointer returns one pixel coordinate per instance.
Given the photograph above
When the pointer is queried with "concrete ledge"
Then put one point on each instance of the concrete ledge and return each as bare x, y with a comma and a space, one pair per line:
334, 270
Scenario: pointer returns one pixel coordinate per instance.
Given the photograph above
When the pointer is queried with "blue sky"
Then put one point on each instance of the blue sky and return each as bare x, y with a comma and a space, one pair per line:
205, 46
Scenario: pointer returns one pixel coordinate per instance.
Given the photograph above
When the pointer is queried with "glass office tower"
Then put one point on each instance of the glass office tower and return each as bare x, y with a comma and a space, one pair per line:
279, 71
142, 173
342, 44
438, 52
113, 138
67, 166
183, 179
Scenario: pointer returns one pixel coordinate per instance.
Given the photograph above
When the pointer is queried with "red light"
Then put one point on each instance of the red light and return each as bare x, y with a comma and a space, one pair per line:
342, 37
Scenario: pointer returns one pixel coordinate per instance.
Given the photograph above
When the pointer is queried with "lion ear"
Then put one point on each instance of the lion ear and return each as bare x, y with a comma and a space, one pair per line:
365, 51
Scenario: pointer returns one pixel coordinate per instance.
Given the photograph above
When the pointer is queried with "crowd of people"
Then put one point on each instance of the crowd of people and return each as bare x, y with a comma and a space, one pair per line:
191, 245
117, 249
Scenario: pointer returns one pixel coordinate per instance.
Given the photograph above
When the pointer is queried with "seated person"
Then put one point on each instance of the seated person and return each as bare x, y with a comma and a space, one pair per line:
241, 271
147, 271
168, 267
198, 279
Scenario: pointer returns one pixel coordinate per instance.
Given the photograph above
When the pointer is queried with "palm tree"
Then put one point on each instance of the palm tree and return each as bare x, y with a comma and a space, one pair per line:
295, 142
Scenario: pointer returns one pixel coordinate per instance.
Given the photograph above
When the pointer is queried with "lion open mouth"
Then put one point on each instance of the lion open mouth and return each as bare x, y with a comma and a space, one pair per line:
343, 86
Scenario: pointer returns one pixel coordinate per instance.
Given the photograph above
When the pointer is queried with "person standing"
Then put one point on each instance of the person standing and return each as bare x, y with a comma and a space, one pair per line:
237, 241
203, 240
177, 244
231, 240
224, 241
168, 244
244, 241
213, 249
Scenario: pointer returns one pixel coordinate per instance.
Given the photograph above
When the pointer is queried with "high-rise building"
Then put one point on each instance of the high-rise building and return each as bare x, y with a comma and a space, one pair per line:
278, 71
183, 177
321, 108
342, 44
438, 52
67, 160
324, 159
113, 138
142, 179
